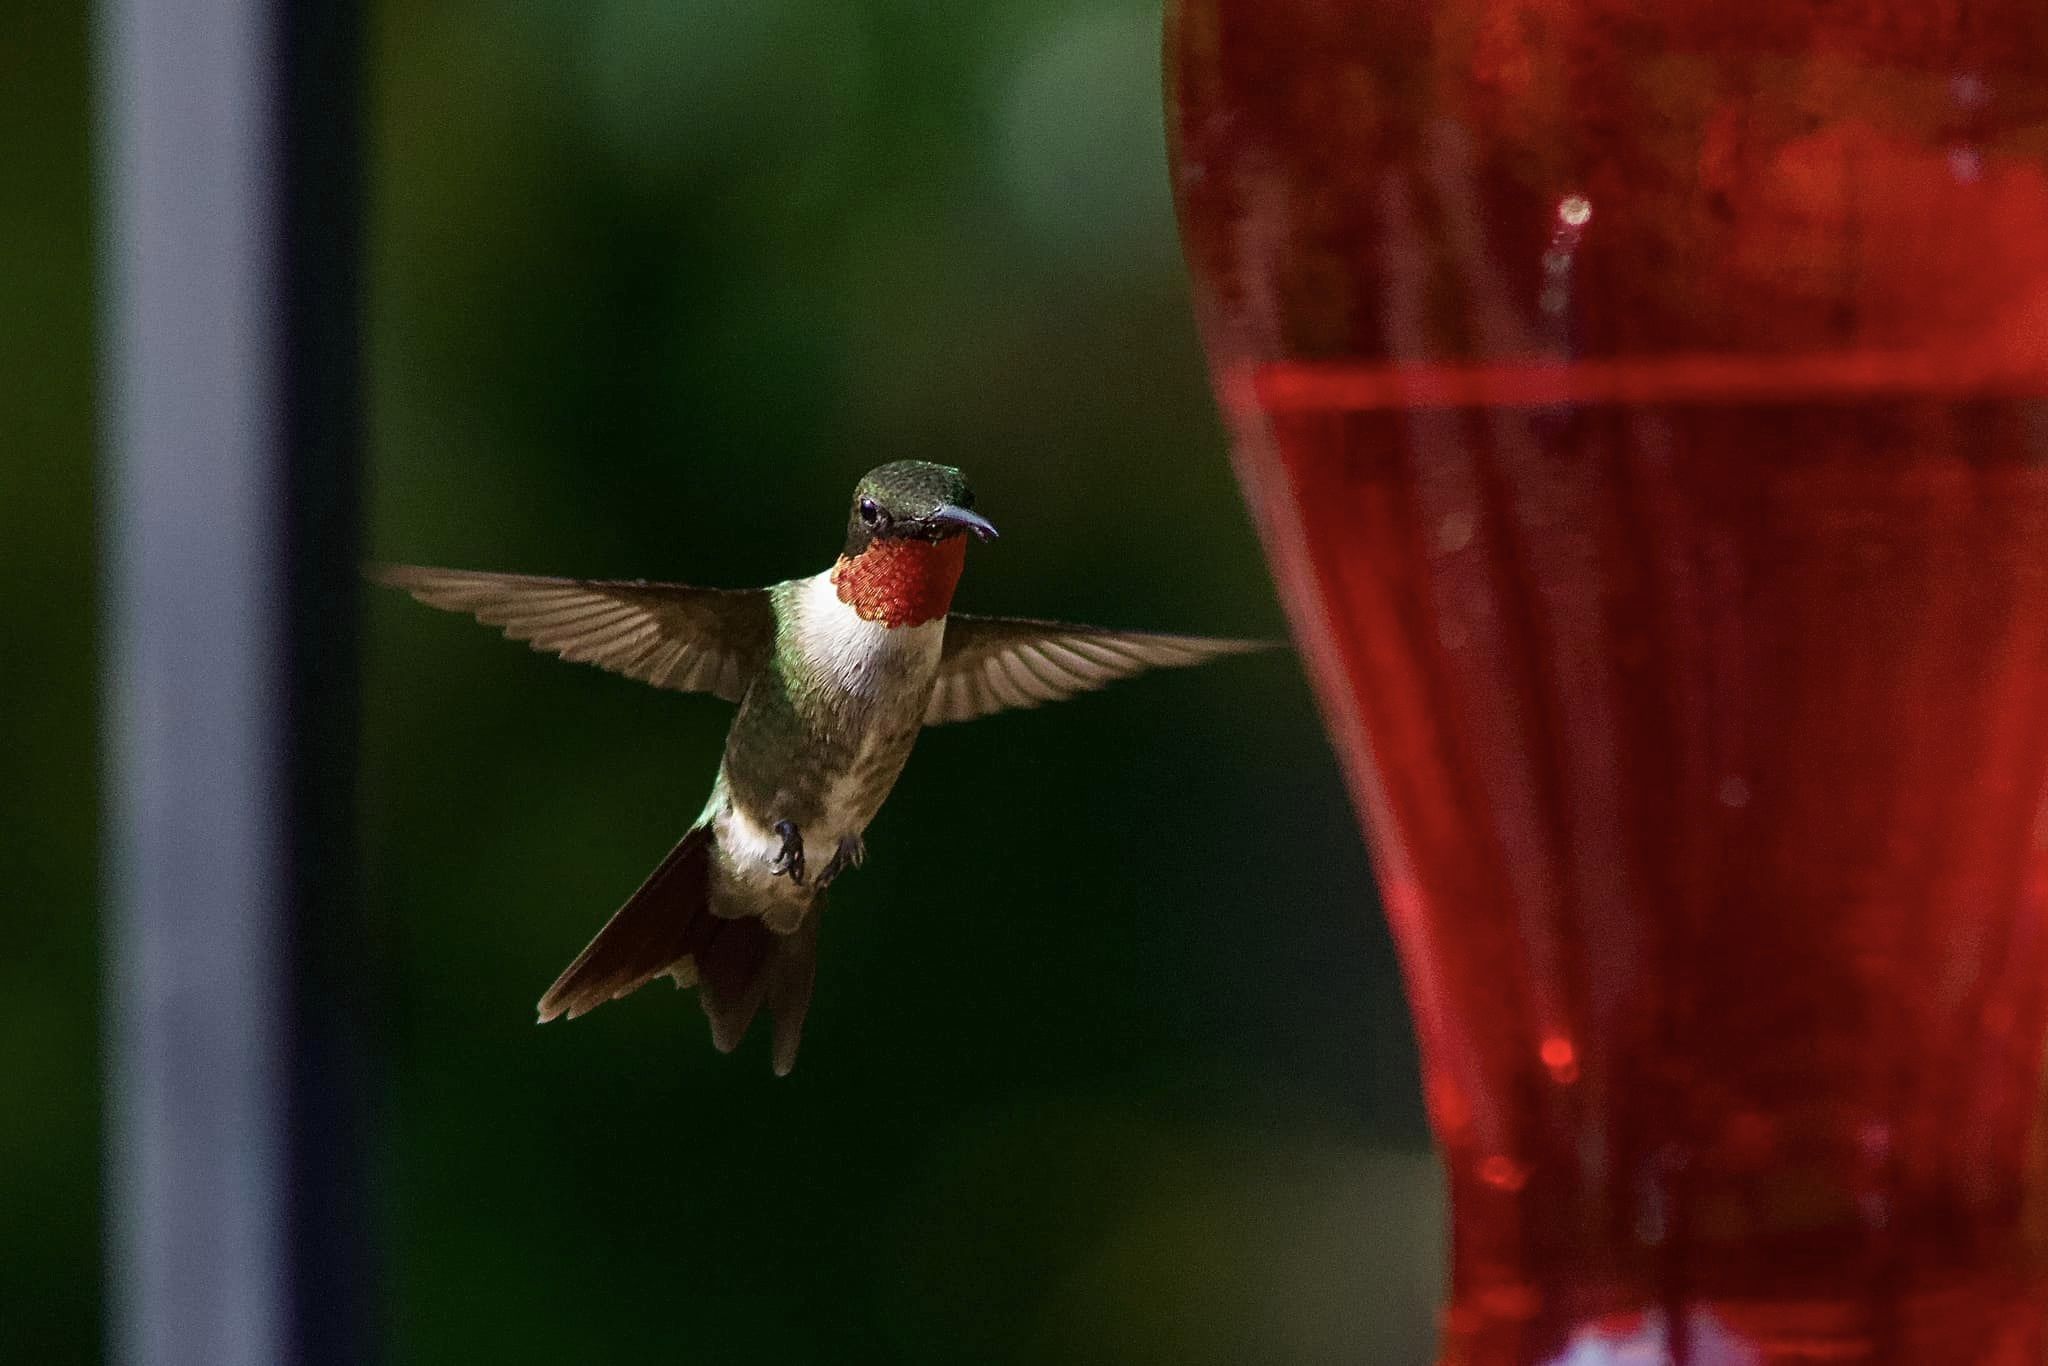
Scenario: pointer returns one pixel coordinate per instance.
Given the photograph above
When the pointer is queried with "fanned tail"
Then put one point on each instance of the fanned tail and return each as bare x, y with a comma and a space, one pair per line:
667, 928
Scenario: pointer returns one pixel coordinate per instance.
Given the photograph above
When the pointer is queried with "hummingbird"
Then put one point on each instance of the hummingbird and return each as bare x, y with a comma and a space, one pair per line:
834, 676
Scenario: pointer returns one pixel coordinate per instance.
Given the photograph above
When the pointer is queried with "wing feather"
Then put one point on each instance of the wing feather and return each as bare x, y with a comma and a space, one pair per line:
1046, 680
993, 663
662, 669
1003, 684
668, 634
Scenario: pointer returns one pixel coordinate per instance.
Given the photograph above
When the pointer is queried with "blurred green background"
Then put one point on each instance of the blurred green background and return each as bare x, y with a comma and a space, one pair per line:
1108, 1060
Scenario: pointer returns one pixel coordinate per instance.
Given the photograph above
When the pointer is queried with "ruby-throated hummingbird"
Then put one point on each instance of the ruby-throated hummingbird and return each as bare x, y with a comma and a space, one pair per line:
834, 676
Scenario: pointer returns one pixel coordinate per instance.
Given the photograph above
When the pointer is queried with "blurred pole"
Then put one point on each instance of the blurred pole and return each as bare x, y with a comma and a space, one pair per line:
237, 1214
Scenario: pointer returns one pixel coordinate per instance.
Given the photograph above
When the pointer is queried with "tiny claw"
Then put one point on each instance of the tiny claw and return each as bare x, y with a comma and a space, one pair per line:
789, 862
851, 853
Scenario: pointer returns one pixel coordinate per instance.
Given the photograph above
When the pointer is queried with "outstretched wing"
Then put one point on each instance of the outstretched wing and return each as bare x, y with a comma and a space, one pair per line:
671, 635
990, 663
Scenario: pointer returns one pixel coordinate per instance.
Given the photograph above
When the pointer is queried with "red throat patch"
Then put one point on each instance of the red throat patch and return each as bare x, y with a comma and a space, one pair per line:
901, 583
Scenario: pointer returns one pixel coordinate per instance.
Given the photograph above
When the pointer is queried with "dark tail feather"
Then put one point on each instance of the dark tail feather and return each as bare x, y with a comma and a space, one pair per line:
791, 973
730, 977
644, 937
743, 965
736, 964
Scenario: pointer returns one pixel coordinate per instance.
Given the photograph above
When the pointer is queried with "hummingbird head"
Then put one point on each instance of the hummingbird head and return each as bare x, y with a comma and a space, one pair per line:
904, 546
912, 500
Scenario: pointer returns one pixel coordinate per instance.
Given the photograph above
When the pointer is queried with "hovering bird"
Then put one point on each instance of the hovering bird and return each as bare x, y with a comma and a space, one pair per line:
834, 675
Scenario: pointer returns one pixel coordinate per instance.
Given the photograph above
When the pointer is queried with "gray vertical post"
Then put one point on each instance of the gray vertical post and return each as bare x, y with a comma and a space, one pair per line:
229, 175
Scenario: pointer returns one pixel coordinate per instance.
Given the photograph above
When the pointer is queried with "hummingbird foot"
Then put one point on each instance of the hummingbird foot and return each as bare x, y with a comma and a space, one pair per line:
789, 862
851, 853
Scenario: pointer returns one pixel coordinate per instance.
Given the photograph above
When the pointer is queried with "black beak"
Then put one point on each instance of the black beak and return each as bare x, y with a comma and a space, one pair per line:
961, 519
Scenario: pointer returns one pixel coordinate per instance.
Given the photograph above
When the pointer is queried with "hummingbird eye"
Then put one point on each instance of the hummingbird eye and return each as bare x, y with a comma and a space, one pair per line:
870, 511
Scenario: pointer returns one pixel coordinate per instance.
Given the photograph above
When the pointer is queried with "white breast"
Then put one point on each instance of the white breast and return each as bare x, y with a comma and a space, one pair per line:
863, 657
